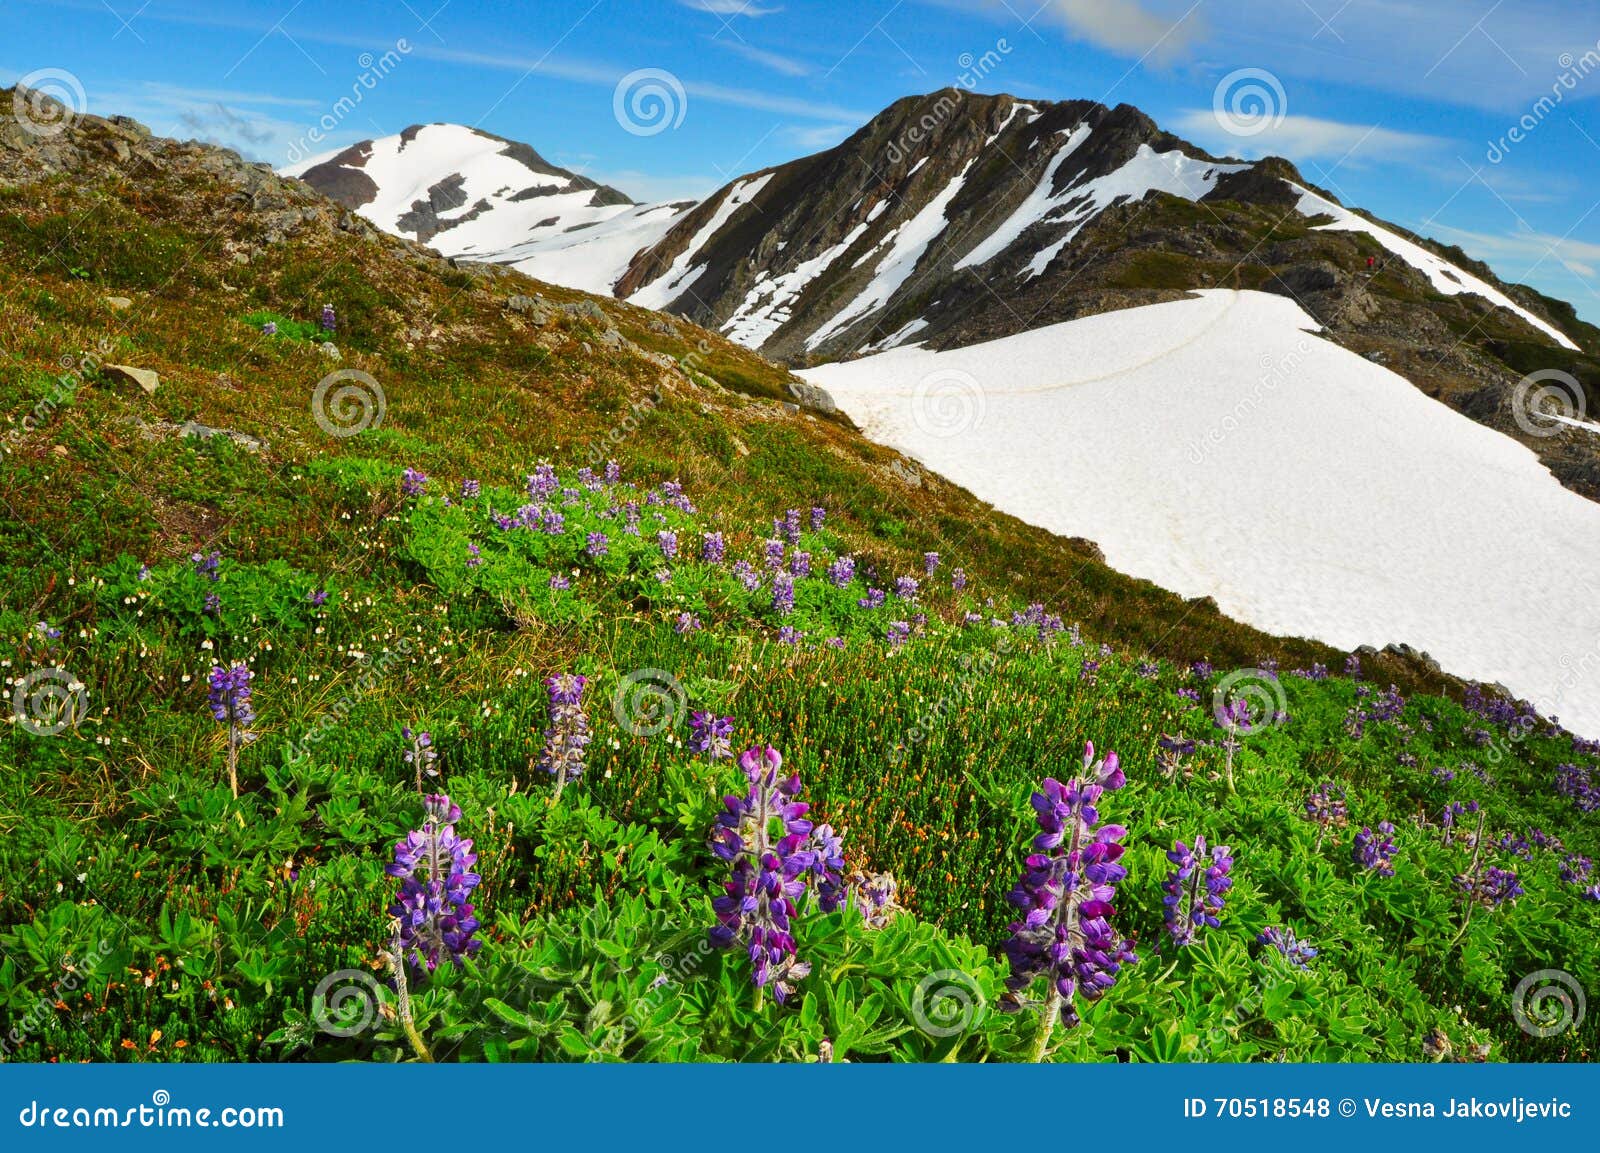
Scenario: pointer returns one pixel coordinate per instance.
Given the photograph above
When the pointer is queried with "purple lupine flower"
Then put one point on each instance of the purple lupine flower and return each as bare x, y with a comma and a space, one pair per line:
712, 550
568, 736
899, 632
1576, 869
560, 583
596, 545
1490, 886
270, 328
1326, 807
711, 735
1172, 752
470, 489
412, 482
672, 495
800, 565
330, 320
842, 571
818, 515
316, 598
144, 572
229, 695
420, 753
474, 556
207, 565
1065, 893
589, 480
873, 600
213, 605
773, 852
782, 594
789, 635
1089, 671
613, 472
958, 579
1516, 846
1190, 695
834, 642
906, 588
1375, 851
543, 482
1444, 775
1576, 783
790, 528
1148, 670
874, 896
1280, 937
1352, 667
686, 623
930, 561
774, 554
1201, 670
1543, 840
1196, 889
1234, 717
434, 866
747, 575
667, 542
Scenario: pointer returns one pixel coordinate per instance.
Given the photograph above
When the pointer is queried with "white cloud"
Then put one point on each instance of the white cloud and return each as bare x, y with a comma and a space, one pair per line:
772, 61
821, 137
1307, 138
1129, 27
1527, 250
729, 8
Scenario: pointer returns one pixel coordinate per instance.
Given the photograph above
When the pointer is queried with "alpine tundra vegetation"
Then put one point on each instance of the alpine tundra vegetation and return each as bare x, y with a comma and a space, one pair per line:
413, 711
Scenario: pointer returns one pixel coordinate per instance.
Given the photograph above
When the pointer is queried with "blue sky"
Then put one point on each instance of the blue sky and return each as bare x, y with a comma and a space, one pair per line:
1406, 108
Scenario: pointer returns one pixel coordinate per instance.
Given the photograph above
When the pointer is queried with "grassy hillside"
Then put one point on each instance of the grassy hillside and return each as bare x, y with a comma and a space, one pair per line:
146, 913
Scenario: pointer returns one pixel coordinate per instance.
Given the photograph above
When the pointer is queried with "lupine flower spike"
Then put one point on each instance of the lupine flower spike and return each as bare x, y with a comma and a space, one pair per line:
434, 919
1375, 852
420, 754
1197, 889
711, 735
1065, 894
567, 738
230, 705
773, 851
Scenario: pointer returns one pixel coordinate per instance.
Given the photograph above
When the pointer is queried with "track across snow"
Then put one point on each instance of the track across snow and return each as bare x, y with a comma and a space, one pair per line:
1218, 447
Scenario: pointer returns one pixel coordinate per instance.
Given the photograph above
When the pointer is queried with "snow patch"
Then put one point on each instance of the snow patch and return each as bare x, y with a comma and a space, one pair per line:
1216, 446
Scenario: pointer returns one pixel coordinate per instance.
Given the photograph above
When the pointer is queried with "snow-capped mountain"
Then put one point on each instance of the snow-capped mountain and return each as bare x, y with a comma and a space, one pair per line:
472, 194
